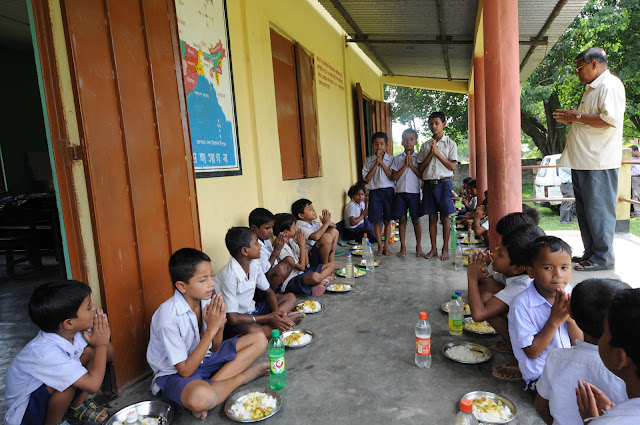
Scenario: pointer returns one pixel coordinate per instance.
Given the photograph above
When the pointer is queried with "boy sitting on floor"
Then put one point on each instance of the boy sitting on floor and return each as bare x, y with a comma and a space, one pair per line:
49, 374
539, 316
261, 221
237, 282
301, 280
355, 220
192, 365
321, 238
556, 401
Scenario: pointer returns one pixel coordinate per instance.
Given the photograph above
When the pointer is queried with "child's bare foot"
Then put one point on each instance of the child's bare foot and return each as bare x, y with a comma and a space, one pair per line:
259, 369
378, 253
419, 253
445, 255
403, 252
433, 252
386, 252
201, 415
297, 317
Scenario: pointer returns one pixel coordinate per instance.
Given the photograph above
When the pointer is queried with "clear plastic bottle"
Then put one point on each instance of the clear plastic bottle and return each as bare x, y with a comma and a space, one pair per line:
465, 415
132, 418
453, 235
423, 342
365, 240
369, 259
455, 316
278, 375
459, 294
348, 270
472, 236
459, 257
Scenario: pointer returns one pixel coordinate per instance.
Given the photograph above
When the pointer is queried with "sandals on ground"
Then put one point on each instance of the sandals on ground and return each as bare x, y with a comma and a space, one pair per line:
590, 266
88, 411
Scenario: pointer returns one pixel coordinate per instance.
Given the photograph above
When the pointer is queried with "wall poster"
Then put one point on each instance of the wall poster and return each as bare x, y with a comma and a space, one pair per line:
208, 86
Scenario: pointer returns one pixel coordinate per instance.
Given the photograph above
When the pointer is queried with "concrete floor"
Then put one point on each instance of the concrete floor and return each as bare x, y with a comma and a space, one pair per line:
360, 367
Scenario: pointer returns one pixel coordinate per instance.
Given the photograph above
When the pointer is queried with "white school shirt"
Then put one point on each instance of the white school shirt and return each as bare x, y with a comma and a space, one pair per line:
528, 313
436, 169
174, 335
266, 249
352, 210
237, 289
513, 286
559, 380
47, 359
379, 180
408, 181
591, 148
625, 413
307, 229
289, 251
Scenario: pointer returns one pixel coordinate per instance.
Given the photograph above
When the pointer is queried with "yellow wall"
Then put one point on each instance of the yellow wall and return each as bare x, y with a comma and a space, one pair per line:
227, 201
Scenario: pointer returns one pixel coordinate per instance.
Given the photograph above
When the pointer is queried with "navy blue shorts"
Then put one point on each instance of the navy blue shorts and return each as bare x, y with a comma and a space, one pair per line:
314, 257
296, 284
38, 405
262, 308
380, 204
407, 201
173, 385
436, 198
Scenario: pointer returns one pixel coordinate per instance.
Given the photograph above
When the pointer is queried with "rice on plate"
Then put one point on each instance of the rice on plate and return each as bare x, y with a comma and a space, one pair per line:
254, 406
488, 410
466, 354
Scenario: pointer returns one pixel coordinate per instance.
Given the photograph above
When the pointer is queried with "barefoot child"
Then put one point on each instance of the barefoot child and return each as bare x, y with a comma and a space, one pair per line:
321, 238
376, 171
301, 280
192, 365
436, 161
261, 222
404, 171
65, 362
237, 282
539, 316
355, 215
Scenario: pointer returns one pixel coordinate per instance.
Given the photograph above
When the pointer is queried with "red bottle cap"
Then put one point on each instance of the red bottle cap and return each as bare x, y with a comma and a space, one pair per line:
423, 315
365, 235
466, 406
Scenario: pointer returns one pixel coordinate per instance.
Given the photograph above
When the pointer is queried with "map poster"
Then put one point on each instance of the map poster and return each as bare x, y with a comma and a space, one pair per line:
208, 86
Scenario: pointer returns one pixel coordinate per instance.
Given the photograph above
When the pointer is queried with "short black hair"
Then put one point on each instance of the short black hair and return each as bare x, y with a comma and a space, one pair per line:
299, 206
380, 135
634, 148
554, 243
466, 180
593, 54
283, 222
354, 189
54, 302
473, 183
532, 212
183, 264
519, 240
362, 184
624, 319
590, 300
412, 131
260, 216
238, 238
512, 221
438, 114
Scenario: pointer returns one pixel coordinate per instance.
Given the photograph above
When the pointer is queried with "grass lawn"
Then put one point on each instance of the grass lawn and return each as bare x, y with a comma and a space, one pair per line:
550, 220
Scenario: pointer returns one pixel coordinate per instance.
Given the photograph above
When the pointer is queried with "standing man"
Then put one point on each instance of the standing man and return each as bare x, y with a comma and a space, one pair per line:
567, 208
594, 154
635, 180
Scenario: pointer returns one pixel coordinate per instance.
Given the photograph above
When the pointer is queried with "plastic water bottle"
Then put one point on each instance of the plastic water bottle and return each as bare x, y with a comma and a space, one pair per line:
368, 257
455, 316
423, 342
348, 270
459, 294
453, 236
459, 257
365, 240
465, 415
132, 418
472, 236
278, 376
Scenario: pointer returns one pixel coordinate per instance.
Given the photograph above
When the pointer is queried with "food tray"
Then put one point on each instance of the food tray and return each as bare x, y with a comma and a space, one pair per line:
362, 262
468, 320
357, 272
330, 288
305, 331
239, 394
472, 345
154, 409
445, 308
495, 397
311, 312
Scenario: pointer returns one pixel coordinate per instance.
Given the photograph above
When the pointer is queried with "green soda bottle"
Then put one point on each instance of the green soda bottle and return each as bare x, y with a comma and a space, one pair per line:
278, 376
453, 235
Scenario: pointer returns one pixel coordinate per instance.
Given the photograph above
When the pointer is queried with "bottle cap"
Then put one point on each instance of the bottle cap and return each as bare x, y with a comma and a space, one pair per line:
458, 243
423, 315
369, 244
348, 255
466, 406
365, 235
459, 293
454, 297
132, 416
275, 333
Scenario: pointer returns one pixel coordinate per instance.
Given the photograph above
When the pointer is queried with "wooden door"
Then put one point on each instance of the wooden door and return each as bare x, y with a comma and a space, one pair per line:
383, 121
136, 151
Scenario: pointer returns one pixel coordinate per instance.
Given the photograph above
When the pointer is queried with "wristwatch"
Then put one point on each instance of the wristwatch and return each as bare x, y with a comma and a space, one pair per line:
578, 117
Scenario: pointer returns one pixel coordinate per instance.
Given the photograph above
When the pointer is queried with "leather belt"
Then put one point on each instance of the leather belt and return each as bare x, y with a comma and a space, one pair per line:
436, 181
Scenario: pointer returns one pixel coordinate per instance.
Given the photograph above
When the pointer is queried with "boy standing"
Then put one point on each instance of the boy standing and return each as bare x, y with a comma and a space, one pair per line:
376, 171
49, 375
539, 316
404, 171
437, 161
237, 282
321, 238
556, 401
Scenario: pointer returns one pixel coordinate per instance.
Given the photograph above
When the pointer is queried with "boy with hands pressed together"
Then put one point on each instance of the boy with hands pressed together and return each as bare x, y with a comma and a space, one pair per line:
321, 237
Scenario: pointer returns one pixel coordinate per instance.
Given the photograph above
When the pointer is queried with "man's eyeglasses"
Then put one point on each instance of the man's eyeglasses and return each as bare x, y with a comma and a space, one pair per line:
580, 67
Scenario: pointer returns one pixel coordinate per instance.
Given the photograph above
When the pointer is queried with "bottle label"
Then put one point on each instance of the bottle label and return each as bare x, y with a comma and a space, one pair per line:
423, 346
277, 366
455, 325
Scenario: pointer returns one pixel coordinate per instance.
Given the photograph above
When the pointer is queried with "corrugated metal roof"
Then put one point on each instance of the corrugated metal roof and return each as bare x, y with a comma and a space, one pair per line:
410, 20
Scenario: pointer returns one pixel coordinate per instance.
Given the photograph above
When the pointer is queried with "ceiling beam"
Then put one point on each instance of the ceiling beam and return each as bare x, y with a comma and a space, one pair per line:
453, 86
543, 31
443, 35
438, 40
343, 12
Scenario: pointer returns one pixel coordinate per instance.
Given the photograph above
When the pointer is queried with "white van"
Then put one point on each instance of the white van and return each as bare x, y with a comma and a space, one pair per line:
547, 184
